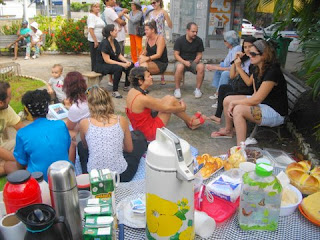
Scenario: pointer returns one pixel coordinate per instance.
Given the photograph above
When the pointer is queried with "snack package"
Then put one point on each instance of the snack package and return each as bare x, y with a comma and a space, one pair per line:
97, 233
98, 221
101, 183
225, 187
105, 210
237, 156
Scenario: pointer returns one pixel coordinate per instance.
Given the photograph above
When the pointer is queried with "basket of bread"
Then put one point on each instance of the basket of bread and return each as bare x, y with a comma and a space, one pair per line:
304, 178
210, 164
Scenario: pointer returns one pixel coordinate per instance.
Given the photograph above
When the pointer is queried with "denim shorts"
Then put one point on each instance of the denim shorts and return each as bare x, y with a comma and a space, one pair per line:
270, 117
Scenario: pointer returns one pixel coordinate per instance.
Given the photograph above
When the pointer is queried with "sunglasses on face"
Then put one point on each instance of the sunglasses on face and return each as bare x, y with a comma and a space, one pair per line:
254, 54
153, 3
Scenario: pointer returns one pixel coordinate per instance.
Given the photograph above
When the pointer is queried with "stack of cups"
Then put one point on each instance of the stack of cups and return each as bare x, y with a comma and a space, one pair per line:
204, 225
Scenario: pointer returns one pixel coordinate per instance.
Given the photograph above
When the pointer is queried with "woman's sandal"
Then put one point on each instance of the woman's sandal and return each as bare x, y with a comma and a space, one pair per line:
197, 116
163, 82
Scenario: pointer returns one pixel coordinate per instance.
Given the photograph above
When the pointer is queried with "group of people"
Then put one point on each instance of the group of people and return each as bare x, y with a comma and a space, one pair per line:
249, 86
29, 37
107, 36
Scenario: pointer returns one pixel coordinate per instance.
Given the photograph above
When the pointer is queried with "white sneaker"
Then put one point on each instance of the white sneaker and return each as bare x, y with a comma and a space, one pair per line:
116, 94
215, 105
197, 93
110, 84
214, 96
177, 93
34, 56
26, 58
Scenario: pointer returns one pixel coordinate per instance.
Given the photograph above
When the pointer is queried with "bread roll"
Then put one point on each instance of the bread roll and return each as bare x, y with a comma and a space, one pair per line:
301, 177
311, 207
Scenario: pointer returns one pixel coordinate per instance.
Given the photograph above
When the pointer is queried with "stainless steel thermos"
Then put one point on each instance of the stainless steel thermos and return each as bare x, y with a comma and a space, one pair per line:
64, 195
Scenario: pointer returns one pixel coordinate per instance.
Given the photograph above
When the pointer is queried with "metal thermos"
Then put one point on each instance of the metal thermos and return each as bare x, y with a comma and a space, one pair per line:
64, 195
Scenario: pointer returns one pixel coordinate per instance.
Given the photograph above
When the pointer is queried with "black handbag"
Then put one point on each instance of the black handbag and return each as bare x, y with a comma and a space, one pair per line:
140, 28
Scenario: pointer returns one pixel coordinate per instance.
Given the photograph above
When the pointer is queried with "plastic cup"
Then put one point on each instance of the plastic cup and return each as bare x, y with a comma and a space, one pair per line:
84, 196
203, 224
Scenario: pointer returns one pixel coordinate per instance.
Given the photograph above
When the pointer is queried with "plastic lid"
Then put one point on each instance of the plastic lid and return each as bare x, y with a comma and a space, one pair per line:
38, 176
263, 169
19, 177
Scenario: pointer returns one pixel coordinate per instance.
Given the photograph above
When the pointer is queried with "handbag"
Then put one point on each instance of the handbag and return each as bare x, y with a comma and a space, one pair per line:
140, 28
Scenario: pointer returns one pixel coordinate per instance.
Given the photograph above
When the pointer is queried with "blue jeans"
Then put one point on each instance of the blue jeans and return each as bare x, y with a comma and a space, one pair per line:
220, 78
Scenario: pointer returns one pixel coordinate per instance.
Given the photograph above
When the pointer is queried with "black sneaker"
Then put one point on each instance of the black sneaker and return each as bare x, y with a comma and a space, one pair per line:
116, 94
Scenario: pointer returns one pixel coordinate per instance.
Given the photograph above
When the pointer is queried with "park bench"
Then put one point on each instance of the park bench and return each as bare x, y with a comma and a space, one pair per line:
93, 78
169, 72
295, 88
5, 40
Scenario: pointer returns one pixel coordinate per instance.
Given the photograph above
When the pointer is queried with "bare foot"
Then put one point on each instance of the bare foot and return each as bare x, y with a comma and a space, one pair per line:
15, 58
214, 119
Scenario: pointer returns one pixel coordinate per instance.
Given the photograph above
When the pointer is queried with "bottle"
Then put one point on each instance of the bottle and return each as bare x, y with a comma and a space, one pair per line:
44, 187
21, 190
64, 195
260, 199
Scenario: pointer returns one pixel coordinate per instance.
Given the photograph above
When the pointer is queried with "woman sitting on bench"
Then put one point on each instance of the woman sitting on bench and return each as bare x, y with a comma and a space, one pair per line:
269, 103
140, 106
154, 57
111, 61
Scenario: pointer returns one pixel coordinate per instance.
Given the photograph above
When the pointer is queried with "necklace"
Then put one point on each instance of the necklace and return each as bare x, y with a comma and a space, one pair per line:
144, 92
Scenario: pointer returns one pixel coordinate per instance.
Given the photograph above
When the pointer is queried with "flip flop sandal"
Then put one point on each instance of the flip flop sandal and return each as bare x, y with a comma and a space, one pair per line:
219, 135
163, 82
197, 114
190, 126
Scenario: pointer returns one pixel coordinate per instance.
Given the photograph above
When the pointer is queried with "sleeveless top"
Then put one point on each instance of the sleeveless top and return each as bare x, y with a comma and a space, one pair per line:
159, 19
153, 50
144, 122
105, 145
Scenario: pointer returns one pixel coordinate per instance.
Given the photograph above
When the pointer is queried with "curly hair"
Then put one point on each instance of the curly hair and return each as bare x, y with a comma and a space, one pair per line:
37, 102
100, 103
4, 90
137, 74
75, 87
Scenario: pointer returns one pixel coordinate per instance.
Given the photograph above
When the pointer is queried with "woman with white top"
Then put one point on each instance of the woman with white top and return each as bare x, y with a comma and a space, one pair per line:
108, 138
95, 25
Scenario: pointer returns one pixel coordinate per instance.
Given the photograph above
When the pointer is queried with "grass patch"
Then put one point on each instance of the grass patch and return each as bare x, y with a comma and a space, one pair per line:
127, 50
20, 86
3, 181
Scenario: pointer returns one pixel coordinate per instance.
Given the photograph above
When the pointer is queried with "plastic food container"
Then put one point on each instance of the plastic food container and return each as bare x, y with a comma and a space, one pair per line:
220, 210
83, 182
289, 209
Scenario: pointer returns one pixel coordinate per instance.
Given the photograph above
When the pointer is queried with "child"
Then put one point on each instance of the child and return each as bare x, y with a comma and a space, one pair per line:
36, 40
56, 83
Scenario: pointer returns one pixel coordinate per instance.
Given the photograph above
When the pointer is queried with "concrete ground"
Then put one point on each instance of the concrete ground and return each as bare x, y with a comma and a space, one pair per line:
199, 138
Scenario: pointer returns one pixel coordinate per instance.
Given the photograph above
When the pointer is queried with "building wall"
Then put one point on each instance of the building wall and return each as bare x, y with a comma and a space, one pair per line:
14, 9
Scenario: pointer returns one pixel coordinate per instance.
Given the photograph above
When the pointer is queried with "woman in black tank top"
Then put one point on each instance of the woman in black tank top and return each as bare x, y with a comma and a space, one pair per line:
154, 57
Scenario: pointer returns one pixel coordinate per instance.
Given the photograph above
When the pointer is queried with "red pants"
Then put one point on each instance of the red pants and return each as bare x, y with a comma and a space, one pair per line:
135, 47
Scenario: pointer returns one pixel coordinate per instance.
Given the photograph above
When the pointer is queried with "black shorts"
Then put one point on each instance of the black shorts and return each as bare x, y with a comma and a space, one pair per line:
161, 65
22, 42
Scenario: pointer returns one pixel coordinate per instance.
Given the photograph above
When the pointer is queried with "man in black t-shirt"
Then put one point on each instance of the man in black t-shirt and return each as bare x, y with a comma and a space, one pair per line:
188, 53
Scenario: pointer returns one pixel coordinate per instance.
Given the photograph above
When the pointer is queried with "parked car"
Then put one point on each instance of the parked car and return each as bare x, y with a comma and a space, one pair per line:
290, 31
249, 30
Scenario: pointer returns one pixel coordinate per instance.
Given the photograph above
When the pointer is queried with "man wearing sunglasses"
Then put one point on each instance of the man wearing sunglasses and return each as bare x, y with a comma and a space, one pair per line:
188, 53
